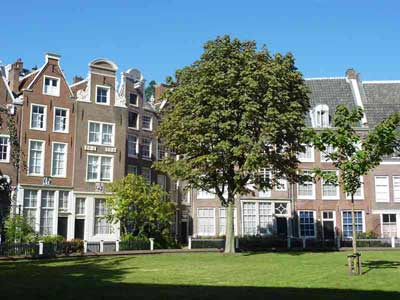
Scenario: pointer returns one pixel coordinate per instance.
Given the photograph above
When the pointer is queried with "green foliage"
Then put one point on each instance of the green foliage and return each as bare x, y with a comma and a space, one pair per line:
52, 239
143, 210
367, 235
232, 112
19, 230
149, 91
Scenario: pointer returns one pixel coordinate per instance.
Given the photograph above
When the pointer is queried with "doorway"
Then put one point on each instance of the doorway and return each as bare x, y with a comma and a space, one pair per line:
328, 225
80, 229
184, 231
62, 228
281, 226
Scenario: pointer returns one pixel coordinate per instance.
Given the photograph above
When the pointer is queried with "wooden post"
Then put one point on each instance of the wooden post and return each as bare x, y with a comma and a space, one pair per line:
190, 242
237, 242
304, 242
151, 244
101, 246
350, 264
41, 247
393, 242
85, 246
117, 246
289, 242
338, 242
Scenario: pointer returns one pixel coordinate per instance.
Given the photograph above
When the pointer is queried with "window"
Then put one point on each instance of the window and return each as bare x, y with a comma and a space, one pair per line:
281, 185
30, 204
132, 169
133, 99
381, 188
60, 120
99, 168
46, 213
133, 120
146, 173
63, 200
162, 181
102, 95
346, 223
36, 154
308, 155
330, 191
101, 133
101, 226
307, 223
4, 148
389, 225
396, 188
51, 86
321, 116
202, 194
161, 152
306, 190
359, 195
59, 160
206, 221
146, 122
324, 154
257, 218
222, 221
133, 146
38, 117
265, 176
80, 206
146, 148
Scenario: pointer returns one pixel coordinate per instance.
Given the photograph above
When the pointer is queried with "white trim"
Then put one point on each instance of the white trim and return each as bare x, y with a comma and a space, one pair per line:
324, 78
197, 222
328, 219
386, 177
41, 174
137, 145
312, 159
44, 117
150, 150
393, 177
349, 210
380, 81
66, 121
337, 197
79, 82
315, 223
305, 197
390, 163
98, 179
357, 96
101, 134
385, 211
361, 197
151, 122
8, 153
137, 120
57, 94
108, 88
64, 175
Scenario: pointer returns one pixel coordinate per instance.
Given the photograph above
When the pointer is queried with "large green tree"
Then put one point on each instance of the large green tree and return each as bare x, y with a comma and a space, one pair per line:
149, 91
141, 208
355, 155
235, 110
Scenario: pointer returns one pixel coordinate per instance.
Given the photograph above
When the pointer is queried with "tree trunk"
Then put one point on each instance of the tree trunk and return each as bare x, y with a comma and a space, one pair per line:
230, 232
353, 226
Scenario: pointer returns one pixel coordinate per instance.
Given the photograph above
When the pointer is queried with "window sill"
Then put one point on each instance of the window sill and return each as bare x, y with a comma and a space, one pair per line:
56, 131
52, 95
38, 129
105, 104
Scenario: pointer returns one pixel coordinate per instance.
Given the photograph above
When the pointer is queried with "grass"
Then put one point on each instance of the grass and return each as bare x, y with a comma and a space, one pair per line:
204, 276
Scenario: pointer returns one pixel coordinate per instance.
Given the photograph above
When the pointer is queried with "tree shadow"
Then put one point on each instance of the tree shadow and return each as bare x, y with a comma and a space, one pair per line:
104, 278
380, 264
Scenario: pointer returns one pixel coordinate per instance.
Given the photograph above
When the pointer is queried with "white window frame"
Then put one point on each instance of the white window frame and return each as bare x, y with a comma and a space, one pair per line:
57, 93
235, 217
100, 217
137, 146
323, 158
202, 194
150, 148
77, 206
100, 143
137, 120
66, 120
137, 100
44, 117
329, 219
305, 159
108, 94
42, 158
315, 224
396, 188
257, 216
64, 174
62, 208
321, 121
151, 122
305, 197
387, 199
282, 185
8, 151
134, 167
358, 197
337, 196
98, 179
363, 221
264, 172
148, 170
197, 216
159, 144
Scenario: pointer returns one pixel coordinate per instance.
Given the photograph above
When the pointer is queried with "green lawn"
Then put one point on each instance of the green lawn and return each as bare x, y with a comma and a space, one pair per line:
204, 276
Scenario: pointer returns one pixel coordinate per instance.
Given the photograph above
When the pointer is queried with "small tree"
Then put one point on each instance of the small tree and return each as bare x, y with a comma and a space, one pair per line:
354, 155
232, 112
142, 209
19, 230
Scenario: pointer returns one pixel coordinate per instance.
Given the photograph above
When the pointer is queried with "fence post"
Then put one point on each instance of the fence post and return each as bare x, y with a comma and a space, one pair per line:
151, 244
117, 246
189, 242
393, 242
40, 247
338, 242
289, 242
237, 242
304, 242
101, 246
85, 246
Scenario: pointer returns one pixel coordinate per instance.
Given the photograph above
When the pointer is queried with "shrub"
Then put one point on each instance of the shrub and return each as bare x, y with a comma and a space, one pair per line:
52, 239
19, 230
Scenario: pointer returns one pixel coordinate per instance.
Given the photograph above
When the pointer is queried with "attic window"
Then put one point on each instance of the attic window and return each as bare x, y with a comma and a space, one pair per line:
321, 116
51, 86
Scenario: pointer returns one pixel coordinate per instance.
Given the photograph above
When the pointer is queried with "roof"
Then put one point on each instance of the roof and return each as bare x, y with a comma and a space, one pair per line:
330, 91
382, 99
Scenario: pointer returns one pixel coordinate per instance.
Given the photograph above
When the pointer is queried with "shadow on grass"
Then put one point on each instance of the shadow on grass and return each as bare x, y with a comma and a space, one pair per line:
288, 252
380, 264
107, 279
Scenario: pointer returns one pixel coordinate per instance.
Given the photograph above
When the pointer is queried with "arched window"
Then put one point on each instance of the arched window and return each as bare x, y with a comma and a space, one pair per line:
320, 116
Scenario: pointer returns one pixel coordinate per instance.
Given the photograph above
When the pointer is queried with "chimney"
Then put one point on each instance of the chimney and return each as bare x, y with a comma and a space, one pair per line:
13, 75
351, 74
76, 79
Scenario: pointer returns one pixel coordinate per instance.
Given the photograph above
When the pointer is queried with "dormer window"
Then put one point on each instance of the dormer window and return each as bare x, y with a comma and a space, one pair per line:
102, 95
133, 99
320, 116
51, 86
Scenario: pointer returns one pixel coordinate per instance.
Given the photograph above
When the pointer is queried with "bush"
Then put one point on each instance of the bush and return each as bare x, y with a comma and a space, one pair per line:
19, 230
367, 235
52, 239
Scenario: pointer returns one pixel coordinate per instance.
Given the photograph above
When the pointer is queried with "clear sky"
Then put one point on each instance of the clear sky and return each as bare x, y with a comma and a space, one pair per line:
158, 37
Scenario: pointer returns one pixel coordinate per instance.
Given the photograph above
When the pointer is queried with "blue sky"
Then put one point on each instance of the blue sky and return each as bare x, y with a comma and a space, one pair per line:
158, 37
